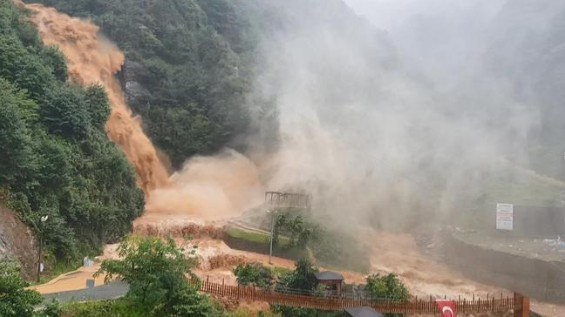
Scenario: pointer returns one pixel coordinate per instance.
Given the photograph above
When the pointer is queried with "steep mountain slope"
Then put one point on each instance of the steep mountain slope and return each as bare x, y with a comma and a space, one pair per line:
528, 49
56, 159
190, 64
181, 76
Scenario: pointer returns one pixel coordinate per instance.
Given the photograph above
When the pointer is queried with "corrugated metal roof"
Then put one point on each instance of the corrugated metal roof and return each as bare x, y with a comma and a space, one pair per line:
329, 276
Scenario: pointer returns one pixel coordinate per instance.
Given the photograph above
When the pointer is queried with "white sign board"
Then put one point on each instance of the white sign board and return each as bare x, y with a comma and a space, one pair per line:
504, 216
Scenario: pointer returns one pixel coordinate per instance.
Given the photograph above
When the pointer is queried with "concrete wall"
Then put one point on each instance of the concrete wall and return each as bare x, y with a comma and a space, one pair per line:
261, 248
542, 280
532, 221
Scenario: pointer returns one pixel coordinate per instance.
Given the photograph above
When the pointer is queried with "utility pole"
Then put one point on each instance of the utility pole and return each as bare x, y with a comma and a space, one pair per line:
273, 214
40, 238
39, 259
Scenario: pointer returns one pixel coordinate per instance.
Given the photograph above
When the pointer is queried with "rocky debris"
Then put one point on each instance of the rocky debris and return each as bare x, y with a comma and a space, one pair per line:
556, 245
543, 249
179, 230
225, 261
429, 239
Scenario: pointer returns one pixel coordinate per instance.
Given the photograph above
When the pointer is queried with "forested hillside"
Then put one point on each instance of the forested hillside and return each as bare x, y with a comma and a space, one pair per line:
192, 64
189, 71
56, 159
182, 76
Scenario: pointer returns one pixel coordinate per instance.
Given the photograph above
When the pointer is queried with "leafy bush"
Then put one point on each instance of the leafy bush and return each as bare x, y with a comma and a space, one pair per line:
156, 273
254, 274
120, 307
330, 247
15, 300
302, 278
52, 309
388, 286
242, 312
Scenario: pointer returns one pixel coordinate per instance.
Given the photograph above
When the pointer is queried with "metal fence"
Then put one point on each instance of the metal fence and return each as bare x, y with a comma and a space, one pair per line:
287, 200
415, 306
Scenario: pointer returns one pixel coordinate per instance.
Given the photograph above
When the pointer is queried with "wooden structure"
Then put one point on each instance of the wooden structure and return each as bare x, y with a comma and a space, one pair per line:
521, 306
415, 306
332, 282
287, 200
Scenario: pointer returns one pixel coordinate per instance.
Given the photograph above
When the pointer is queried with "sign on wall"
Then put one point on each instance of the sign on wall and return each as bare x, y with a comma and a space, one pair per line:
504, 216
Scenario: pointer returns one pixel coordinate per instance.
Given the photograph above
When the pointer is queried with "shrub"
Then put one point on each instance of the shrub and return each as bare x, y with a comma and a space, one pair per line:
254, 274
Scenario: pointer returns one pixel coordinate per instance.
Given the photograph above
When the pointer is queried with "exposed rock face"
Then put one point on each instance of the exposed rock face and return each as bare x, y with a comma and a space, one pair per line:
17, 242
130, 76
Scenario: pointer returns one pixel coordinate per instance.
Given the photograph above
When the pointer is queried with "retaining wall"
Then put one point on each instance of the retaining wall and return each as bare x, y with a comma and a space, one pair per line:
542, 280
261, 248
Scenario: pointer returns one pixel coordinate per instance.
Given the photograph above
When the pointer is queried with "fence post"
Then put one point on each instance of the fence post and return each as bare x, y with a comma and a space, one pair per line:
521, 305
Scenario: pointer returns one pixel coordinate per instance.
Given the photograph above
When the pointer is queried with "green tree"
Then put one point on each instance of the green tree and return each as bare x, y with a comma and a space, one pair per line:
53, 57
302, 231
15, 300
387, 286
16, 146
156, 273
65, 112
302, 278
121, 307
184, 301
253, 274
53, 309
97, 105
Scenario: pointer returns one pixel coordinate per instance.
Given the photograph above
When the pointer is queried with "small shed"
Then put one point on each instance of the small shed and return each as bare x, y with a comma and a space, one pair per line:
331, 280
362, 312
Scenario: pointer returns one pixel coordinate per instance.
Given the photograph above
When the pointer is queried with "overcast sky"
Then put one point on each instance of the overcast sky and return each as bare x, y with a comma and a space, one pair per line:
390, 14
383, 13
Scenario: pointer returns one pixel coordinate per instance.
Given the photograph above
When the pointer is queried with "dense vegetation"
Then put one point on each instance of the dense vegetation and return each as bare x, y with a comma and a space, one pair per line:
387, 286
15, 301
56, 159
190, 64
156, 274
184, 74
253, 274
303, 279
324, 243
